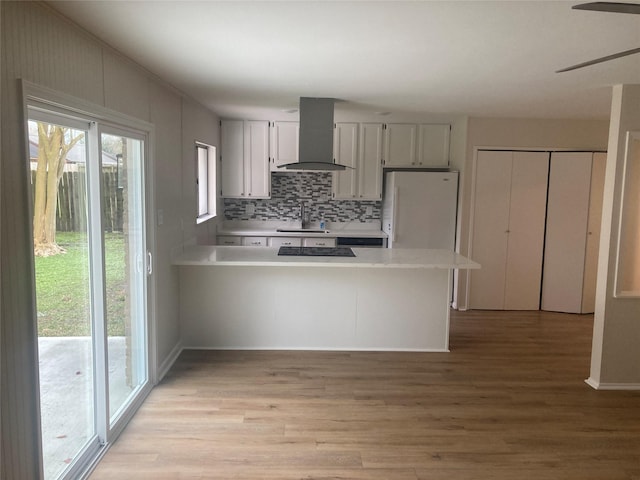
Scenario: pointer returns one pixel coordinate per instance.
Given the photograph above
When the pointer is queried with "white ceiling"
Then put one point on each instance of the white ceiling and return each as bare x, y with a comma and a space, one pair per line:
474, 58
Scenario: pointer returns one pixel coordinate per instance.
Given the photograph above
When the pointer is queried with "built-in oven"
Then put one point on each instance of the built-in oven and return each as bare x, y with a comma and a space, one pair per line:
361, 242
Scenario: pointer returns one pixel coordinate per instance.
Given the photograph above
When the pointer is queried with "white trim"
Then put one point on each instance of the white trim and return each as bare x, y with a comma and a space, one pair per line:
611, 386
168, 362
45, 98
204, 218
318, 349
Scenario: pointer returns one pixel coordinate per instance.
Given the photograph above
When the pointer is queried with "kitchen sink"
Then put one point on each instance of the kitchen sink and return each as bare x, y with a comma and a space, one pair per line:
301, 230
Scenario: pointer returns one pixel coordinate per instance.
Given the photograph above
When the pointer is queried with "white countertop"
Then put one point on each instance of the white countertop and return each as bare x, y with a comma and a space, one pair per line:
365, 258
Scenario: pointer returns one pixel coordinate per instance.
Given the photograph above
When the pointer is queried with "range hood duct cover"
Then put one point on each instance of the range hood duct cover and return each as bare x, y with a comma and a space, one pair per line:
316, 136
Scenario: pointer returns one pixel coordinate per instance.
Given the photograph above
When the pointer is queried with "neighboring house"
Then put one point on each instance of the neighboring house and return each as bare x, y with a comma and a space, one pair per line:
76, 157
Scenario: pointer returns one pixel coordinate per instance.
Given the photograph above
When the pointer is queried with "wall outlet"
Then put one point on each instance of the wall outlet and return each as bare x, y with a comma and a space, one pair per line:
369, 210
250, 209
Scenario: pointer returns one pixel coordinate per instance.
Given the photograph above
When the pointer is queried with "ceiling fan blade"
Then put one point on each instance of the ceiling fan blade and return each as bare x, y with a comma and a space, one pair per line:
615, 7
600, 60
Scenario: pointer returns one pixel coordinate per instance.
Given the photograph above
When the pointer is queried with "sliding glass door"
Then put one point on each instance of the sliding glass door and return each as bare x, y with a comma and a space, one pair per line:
126, 267
91, 265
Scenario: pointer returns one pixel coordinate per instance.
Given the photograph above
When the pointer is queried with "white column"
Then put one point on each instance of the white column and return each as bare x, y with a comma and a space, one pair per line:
615, 358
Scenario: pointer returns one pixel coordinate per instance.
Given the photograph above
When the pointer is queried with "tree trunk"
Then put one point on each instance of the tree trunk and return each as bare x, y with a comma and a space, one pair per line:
52, 155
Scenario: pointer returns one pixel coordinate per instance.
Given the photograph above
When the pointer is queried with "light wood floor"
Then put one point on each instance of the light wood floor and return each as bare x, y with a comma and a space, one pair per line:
508, 402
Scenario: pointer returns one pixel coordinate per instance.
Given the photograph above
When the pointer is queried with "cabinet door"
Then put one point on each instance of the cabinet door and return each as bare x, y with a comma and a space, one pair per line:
284, 144
345, 152
319, 242
254, 241
232, 155
593, 232
285, 242
527, 209
433, 145
567, 217
400, 145
257, 169
490, 229
370, 162
229, 240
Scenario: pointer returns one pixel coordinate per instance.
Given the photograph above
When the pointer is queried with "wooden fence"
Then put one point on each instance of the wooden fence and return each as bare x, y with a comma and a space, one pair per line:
71, 213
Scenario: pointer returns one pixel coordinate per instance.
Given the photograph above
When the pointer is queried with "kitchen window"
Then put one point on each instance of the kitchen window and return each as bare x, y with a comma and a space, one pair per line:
206, 181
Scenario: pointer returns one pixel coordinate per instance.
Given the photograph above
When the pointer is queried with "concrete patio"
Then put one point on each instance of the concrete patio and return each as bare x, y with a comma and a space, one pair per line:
66, 395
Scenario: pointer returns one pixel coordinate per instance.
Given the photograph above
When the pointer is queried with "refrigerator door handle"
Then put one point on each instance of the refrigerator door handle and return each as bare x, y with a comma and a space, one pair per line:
396, 196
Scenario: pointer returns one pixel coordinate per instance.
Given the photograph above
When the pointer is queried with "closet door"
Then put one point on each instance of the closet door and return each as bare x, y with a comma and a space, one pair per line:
508, 230
527, 211
565, 245
490, 229
593, 232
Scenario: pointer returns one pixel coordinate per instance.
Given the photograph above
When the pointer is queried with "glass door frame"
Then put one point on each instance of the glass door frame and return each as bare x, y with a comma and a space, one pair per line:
50, 104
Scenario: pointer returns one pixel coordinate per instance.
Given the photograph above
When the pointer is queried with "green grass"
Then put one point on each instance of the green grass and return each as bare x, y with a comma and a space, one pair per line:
62, 287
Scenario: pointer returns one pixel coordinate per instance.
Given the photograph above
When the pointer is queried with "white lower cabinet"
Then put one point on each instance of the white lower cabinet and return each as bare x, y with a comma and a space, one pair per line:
508, 230
254, 241
318, 242
229, 240
284, 242
576, 185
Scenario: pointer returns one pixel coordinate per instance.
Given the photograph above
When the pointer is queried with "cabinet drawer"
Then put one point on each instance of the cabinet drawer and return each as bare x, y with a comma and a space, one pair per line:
254, 241
319, 242
285, 242
228, 240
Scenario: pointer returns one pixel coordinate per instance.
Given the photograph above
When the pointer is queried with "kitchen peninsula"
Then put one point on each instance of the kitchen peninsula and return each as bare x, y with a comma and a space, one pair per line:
381, 299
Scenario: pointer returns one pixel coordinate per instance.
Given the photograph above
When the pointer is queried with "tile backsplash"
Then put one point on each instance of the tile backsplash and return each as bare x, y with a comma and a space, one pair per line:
289, 189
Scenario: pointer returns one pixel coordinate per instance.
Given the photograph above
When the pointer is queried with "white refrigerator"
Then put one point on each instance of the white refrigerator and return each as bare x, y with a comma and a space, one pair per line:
419, 209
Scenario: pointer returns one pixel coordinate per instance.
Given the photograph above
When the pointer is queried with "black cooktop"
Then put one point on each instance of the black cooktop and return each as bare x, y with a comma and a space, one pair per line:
316, 252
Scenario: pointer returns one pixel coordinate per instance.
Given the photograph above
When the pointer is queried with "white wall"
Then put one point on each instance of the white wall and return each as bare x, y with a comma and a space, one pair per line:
41, 47
615, 357
518, 134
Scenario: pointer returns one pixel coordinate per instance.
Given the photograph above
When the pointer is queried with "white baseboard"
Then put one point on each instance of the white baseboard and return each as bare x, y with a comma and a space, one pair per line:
168, 362
611, 386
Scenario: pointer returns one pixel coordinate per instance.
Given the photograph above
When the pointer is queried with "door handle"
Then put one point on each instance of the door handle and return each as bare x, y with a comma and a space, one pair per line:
149, 263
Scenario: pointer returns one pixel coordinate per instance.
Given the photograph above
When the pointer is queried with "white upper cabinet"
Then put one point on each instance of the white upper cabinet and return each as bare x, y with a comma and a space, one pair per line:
345, 152
433, 145
358, 146
245, 159
400, 145
232, 158
257, 171
370, 162
417, 146
284, 144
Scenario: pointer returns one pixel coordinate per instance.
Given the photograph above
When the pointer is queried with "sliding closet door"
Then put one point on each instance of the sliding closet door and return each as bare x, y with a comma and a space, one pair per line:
527, 211
593, 232
576, 185
490, 229
508, 230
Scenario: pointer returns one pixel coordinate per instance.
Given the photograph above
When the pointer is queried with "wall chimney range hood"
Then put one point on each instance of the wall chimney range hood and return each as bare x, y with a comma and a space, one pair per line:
316, 136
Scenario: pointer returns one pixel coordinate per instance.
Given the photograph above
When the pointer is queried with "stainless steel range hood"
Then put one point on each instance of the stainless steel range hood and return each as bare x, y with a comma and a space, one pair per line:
316, 136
